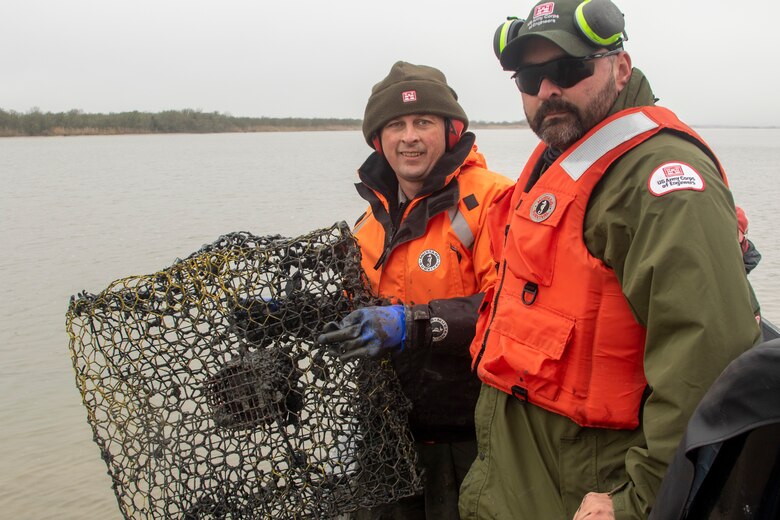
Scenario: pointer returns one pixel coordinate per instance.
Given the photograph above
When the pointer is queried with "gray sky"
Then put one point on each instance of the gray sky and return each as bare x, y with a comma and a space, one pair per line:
712, 61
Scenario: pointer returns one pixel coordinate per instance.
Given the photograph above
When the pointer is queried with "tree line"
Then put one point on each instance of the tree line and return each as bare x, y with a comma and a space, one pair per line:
76, 122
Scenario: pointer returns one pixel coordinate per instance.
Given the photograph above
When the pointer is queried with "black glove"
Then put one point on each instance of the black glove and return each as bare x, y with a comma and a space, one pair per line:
750, 256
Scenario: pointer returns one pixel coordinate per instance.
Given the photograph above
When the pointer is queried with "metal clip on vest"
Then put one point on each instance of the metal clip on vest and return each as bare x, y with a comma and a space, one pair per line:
529, 293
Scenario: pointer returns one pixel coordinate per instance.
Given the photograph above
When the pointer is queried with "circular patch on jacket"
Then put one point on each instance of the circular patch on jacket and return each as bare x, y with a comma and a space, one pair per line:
542, 207
439, 329
429, 260
674, 176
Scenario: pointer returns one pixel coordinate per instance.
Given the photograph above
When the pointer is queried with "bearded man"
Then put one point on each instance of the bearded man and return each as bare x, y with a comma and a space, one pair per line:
621, 292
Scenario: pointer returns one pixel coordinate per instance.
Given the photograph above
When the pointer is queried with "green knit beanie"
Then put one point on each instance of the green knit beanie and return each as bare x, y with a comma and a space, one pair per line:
410, 89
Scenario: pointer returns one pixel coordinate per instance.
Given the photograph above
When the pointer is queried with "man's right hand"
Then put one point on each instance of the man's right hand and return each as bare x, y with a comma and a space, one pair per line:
369, 332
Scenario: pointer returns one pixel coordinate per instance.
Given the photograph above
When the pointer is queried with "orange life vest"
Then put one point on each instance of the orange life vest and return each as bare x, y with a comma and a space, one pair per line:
441, 262
556, 330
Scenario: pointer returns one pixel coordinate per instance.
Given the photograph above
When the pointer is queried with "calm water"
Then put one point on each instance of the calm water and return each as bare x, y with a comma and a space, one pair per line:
77, 213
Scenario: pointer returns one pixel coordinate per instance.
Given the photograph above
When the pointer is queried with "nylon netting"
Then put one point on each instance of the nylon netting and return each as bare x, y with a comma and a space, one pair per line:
209, 398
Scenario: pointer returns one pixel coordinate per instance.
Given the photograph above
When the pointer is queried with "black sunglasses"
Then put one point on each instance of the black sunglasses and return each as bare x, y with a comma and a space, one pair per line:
564, 72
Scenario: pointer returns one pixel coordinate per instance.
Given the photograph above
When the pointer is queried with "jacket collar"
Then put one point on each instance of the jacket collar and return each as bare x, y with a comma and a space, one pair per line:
636, 93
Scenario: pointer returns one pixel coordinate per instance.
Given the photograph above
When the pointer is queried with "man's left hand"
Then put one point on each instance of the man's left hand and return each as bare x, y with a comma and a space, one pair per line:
596, 506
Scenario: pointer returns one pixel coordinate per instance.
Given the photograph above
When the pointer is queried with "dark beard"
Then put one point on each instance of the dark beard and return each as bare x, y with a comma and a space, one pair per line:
563, 131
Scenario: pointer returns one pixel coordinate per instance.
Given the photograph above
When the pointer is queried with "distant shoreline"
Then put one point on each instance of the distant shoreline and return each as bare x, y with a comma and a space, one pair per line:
187, 121
71, 132
75, 132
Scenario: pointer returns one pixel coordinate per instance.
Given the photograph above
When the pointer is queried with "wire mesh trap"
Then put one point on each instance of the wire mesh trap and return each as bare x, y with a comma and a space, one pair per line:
209, 398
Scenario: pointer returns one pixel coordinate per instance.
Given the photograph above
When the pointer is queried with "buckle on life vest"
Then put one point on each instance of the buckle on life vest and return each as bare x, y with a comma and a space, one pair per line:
529, 293
520, 393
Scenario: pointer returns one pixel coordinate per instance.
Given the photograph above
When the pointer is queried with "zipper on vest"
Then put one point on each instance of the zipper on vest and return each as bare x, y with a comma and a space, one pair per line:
492, 316
495, 304
386, 251
388, 248
394, 227
457, 253
382, 258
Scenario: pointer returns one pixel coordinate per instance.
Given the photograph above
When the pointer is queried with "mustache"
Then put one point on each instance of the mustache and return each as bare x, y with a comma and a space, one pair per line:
554, 105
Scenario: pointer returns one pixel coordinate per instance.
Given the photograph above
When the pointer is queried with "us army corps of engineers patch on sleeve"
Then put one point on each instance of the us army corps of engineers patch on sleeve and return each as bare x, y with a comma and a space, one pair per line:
674, 176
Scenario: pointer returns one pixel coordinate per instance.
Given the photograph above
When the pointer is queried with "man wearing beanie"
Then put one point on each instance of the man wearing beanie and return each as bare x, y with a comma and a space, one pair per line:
424, 249
621, 293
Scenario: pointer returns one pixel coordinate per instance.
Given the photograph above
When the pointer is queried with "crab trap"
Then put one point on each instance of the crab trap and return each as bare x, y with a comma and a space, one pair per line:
209, 397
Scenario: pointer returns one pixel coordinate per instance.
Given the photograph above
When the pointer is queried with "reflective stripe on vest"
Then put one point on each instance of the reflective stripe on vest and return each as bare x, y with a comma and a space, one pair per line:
461, 227
360, 224
605, 139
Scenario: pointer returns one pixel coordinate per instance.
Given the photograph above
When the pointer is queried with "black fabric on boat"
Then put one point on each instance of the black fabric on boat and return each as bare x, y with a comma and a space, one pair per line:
728, 462
769, 330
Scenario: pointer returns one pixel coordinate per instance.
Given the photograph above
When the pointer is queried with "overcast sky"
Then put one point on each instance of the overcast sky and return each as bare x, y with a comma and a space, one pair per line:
712, 61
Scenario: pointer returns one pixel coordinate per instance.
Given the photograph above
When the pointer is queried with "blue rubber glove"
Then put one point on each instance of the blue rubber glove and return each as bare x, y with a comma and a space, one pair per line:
369, 332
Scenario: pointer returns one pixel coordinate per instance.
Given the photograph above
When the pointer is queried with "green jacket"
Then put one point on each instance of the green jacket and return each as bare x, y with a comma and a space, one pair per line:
680, 267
